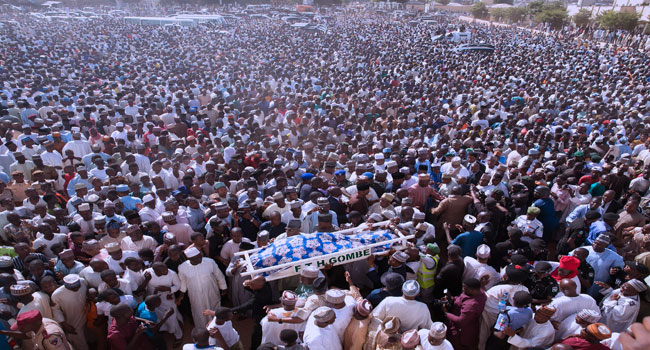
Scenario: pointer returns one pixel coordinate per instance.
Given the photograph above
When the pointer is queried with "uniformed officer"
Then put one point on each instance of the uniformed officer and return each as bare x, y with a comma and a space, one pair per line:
585, 270
543, 287
44, 332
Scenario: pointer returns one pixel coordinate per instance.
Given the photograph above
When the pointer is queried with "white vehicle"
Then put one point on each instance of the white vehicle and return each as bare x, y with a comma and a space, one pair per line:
456, 37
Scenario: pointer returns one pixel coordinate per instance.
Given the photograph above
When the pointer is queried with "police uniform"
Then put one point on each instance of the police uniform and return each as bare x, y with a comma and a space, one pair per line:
51, 337
586, 272
544, 288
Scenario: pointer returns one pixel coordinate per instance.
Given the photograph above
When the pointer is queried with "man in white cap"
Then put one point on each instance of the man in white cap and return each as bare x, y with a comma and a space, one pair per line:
384, 204
182, 231
69, 309
31, 300
148, 211
271, 326
469, 239
411, 340
78, 146
434, 337
343, 307
203, 282
454, 168
538, 332
117, 256
478, 268
164, 282
412, 313
136, 240
319, 330
279, 205
620, 307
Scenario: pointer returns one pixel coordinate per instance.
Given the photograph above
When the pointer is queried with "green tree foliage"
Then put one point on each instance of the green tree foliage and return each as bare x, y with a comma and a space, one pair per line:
553, 13
498, 15
535, 7
516, 14
611, 20
509, 2
479, 10
582, 18
443, 2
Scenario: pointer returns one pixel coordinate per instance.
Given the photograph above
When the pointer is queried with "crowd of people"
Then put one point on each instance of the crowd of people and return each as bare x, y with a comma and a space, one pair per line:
136, 161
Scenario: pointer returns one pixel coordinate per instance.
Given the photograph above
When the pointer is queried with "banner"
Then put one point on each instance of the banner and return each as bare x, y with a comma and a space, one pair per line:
309, 247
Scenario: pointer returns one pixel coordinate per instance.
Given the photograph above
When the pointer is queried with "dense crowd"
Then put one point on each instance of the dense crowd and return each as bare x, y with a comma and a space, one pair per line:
136, 161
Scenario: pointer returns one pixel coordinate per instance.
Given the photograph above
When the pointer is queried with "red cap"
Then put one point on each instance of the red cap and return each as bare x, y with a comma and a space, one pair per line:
570, 263
26, 318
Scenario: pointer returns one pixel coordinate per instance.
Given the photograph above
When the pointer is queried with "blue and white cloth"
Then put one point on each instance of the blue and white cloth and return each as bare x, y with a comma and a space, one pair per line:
307, 246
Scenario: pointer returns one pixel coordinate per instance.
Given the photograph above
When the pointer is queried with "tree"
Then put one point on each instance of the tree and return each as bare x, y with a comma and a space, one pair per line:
582, 18
509, 2
443, 2
516, 14
535, 7
480, 10
612, 20
553, 13
628, 20
498, 15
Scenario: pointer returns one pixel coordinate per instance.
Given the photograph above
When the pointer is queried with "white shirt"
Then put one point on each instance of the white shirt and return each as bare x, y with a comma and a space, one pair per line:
412, 313
529, 226
58, 238
566, 306
534, 335
475, 269
229, 334
317, 338
619, 314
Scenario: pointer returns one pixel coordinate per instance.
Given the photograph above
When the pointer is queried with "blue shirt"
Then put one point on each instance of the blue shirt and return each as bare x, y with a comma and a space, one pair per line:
547, 215
468, 242
75, 180
144, 313
602, 262
59, 267
130, 203
88, 159
196, 218
596, 229
519, 316
118, 218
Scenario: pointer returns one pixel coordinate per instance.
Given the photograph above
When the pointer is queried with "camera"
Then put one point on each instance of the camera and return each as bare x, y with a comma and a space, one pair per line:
440, 302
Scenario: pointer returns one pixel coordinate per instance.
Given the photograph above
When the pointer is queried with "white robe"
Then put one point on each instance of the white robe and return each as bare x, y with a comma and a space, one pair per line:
343, 317
534, 335
79, 147
94, 279
41, 303
173, 324
203, 284
122, 284
71, 306
567, 306
412, 313
475, 269
317, 338
271, 330
619, 314
567, 328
